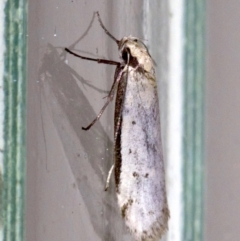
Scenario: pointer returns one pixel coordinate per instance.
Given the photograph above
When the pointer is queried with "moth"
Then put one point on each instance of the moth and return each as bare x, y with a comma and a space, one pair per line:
138, 166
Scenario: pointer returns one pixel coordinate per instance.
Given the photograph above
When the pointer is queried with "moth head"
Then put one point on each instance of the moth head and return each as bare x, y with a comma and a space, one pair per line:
134, 52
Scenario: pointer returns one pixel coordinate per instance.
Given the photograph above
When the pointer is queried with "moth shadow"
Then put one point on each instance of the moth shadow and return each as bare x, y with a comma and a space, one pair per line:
89, 154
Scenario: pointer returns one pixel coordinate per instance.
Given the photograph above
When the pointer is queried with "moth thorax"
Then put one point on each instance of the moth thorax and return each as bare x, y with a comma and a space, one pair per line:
138, 53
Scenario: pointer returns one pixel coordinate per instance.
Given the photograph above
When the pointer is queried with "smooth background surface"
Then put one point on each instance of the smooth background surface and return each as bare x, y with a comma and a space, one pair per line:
222, 203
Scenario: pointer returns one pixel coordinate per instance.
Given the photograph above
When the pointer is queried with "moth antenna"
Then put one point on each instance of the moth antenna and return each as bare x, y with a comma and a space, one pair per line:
105, 30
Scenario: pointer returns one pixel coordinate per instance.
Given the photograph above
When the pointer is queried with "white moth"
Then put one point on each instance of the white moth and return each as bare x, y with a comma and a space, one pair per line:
139, 166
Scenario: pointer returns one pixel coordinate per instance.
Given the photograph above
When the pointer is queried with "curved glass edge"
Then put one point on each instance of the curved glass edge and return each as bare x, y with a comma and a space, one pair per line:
193, 117
2, 48
14, 124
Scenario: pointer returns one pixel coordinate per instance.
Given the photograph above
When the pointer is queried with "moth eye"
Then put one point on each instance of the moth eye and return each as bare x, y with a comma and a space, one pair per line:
125, 54
135, 40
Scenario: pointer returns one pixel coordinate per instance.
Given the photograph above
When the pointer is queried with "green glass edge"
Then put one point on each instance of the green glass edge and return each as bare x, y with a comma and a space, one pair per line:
13, 195
193, 139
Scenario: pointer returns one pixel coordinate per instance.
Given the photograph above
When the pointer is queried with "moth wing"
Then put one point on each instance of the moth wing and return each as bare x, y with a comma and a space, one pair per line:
140, 175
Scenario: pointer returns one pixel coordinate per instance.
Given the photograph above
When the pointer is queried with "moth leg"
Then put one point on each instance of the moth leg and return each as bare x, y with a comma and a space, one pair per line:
100, 61
108, 178
109, 98
99, 115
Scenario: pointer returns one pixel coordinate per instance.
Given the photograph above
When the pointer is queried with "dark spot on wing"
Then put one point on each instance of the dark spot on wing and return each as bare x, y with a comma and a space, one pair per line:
135, 154
130, 151
166, 212
151, 213
146, 175
154, 148
126, 206
133, 122
135, 174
